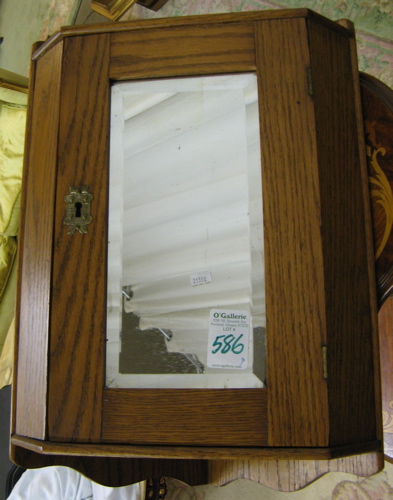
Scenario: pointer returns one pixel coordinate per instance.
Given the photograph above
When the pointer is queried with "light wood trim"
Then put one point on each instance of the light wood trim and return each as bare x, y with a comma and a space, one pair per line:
229, 417
76, 371
30, 384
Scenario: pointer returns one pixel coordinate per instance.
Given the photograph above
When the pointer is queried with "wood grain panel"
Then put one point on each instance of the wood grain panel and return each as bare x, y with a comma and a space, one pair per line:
346, 260
79, 269
183, 51
296, 322
36, 241
230, 417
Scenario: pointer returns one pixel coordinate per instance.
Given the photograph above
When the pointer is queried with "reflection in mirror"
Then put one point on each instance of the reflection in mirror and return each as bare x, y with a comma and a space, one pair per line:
186, 292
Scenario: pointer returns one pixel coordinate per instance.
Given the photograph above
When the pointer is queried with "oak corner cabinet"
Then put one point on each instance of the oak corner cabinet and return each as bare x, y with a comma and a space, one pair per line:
317, 395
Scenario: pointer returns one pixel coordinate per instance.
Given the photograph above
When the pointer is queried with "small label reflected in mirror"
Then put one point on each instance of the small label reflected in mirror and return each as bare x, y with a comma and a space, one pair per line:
200, 278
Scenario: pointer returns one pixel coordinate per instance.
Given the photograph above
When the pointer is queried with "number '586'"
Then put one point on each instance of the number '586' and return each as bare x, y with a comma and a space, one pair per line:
226, 343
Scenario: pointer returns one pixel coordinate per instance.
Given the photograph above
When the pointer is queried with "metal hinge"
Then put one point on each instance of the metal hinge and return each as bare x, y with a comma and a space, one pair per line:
310, 90
324, 361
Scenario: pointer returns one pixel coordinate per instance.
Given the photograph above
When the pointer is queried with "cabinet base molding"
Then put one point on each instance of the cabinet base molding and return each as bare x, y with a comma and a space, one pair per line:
119, 465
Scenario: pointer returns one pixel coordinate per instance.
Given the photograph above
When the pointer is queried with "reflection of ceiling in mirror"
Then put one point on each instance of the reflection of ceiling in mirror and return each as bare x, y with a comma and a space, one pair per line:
187, 200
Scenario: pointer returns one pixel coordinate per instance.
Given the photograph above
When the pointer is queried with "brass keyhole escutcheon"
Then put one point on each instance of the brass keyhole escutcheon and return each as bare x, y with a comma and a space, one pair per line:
78, 209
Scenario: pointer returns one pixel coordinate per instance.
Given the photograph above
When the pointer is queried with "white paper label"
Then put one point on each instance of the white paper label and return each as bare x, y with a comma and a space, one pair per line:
200, 278
228, 339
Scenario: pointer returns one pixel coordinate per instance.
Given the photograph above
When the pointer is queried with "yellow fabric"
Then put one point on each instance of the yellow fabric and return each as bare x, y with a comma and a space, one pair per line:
7, 312
13, 96
7, 255
7, 357
12, 134
13, 222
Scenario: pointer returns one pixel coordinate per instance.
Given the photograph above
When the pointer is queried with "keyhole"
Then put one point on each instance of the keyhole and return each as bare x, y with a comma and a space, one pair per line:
78, 209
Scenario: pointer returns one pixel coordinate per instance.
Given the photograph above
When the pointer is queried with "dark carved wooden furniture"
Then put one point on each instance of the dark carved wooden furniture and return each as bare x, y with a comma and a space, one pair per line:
377, 104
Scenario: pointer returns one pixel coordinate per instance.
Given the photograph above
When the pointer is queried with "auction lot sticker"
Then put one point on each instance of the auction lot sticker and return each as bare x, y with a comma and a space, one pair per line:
228, 339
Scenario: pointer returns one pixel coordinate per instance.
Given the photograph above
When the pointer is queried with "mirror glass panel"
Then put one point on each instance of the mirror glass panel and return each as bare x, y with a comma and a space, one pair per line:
186, 290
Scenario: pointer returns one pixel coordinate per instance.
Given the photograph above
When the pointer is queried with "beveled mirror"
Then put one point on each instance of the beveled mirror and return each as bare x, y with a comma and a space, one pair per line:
186, 290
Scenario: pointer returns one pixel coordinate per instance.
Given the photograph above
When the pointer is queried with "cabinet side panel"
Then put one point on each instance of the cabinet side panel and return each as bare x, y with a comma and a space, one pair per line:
30, 391
297, 392
76, 371
349, 308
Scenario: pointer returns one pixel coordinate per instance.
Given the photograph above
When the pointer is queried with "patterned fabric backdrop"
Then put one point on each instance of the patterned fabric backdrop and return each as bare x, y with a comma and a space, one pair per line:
373, 22
59, 14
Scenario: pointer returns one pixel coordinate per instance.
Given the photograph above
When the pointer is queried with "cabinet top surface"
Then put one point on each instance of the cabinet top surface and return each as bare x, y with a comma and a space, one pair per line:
40, 48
